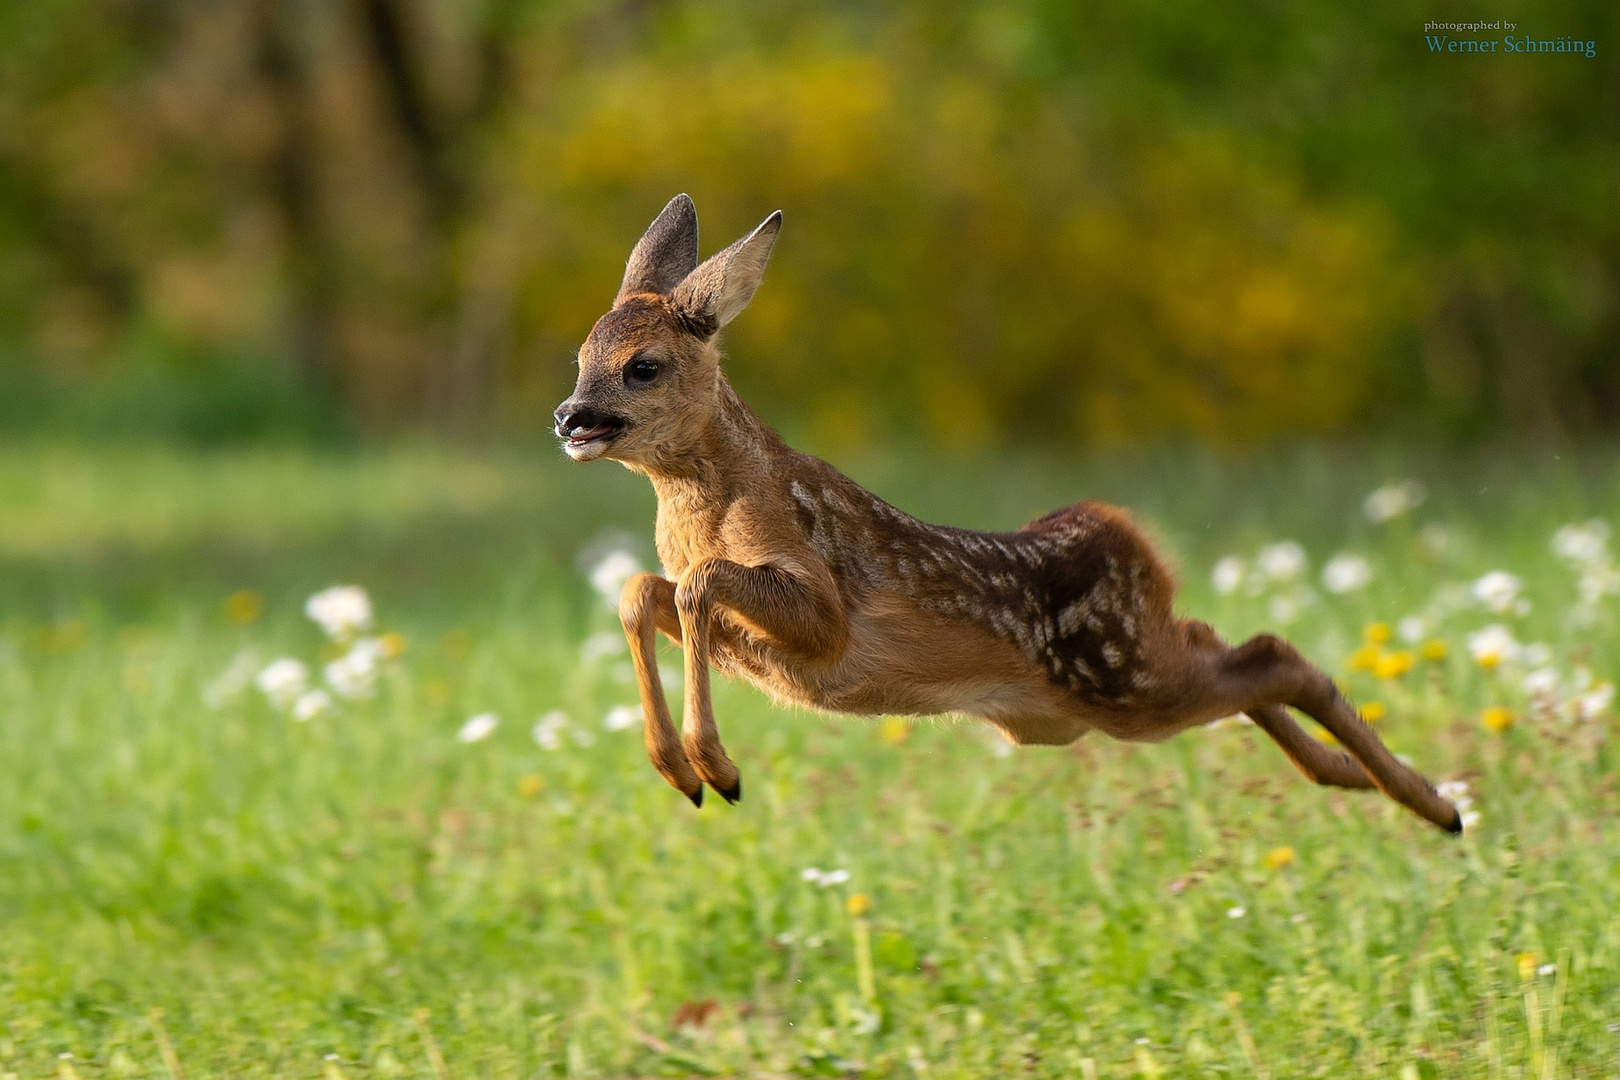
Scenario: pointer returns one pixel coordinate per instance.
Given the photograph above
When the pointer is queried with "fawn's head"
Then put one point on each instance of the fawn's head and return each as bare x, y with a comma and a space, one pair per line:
649, 373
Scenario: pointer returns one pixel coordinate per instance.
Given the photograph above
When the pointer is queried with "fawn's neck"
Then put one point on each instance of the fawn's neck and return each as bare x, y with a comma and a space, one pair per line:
726, 457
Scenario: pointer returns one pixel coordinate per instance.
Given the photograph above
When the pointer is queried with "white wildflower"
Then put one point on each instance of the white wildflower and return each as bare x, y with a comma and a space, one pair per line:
1281, 562
548, 730
1393, 500
1455, 792
1450, 598
1434, 540
1596, 582
311, 704
1227, 576
600, 646
354, 674
1498, 591
1284, 608
230, 683
1346, 573
1536, 654
609, 575
1236, 912
622, 718
1493, 645
1235, 720
1583, 545
824, 878
478, 727
342, 611
282, 681
1542, 683
1412, 629
1470, 818
1595, 702
1547, 969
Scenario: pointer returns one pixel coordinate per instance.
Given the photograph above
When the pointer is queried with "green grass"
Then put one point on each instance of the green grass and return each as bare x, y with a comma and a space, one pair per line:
286, 891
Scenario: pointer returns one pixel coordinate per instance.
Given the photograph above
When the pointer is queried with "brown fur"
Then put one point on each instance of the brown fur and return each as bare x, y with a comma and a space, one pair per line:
782, 571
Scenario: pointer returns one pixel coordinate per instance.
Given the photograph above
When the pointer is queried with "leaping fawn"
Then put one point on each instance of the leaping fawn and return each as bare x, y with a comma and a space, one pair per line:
783, 571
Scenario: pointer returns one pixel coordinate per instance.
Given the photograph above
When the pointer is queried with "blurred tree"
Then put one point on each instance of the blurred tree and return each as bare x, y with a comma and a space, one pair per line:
1094, 221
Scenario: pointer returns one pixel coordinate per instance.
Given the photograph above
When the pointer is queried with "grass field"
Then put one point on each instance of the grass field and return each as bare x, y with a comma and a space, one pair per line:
365, 894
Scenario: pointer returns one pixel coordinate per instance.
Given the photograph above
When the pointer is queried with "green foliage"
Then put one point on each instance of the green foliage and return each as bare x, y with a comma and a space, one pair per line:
1095, 222
286, 891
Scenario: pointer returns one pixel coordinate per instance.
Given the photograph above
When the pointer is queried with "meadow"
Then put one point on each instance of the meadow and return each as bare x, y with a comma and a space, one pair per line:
463, 865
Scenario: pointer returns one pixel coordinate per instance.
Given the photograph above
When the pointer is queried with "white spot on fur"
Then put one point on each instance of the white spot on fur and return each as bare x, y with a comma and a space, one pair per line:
1069, 618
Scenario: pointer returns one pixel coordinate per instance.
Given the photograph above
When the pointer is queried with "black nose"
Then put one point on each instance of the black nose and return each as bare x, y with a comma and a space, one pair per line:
570, 417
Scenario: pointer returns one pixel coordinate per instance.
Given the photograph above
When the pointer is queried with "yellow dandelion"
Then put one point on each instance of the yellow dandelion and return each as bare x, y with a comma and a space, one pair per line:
1527, 962
1435, 649
1393, 665
858, 904
390, 645
893, 730
1497, 719
1377, 633
531, 785
1278, 857
1373, 711
1322, 734
1365, 658
244, 606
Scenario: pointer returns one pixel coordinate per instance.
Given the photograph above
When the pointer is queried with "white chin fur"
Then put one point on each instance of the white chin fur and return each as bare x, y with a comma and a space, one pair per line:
586, 451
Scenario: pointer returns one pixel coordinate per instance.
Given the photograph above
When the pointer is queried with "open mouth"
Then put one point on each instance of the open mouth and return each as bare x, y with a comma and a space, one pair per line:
602, 431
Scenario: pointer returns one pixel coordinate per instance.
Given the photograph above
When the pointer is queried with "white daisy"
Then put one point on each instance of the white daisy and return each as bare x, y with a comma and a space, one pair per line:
342, 611
478, 727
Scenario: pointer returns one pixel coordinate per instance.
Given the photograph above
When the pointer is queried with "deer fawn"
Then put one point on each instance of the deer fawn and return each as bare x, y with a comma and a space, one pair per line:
783, 571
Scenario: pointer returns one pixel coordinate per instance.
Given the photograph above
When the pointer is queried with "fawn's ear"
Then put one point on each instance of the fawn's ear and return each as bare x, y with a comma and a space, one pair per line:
720, 288
665, 254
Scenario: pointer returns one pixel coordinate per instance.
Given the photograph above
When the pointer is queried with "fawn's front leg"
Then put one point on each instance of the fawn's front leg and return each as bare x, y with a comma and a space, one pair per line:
646, 606
792, 614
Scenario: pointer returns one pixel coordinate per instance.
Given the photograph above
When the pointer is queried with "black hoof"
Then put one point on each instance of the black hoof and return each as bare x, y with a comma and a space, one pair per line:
1455, 828
697, 797
733, 796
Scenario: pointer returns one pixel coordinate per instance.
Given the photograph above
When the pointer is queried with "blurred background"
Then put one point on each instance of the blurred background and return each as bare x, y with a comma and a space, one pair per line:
1007, 220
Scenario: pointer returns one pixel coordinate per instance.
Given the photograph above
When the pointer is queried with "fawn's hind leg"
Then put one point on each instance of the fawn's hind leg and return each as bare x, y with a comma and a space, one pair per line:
1204, 652
1320, 764
1266, 670
646, 606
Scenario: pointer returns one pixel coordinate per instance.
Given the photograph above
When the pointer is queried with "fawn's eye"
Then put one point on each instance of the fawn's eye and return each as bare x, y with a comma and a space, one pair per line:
642, 370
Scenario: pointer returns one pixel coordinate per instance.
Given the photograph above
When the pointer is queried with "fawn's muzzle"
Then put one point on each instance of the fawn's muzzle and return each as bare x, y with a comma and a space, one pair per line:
581, 426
